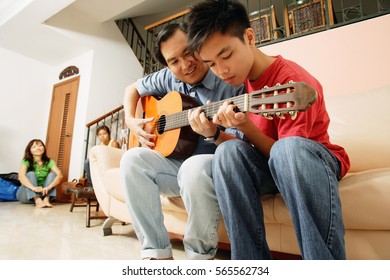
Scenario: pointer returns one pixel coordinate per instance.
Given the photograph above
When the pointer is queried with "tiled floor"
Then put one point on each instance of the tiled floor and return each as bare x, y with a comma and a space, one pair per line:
27, 233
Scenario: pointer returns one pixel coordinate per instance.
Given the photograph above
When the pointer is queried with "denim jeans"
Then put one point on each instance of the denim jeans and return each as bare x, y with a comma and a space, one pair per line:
25, 195
87, 169
145, 175
304, 172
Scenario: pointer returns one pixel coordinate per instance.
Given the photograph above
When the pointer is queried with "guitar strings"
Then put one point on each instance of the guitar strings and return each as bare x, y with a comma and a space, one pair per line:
180, 119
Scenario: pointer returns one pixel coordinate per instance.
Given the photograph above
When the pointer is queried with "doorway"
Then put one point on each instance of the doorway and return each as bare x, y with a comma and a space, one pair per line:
60, 128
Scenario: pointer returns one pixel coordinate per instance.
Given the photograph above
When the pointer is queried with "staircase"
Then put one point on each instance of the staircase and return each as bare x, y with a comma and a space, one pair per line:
144, 51
137, 43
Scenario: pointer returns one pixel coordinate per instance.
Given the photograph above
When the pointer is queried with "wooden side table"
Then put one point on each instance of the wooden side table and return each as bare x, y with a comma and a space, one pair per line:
87, 194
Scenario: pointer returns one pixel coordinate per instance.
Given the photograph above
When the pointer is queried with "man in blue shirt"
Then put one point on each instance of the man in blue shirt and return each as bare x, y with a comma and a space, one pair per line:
146, 173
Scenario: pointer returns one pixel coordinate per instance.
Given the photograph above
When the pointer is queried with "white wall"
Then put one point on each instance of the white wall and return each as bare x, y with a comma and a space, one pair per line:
347, 59
25, 91
105, 70
114, 65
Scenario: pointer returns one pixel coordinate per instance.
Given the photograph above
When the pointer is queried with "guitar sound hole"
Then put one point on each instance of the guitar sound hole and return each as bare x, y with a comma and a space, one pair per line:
161, 124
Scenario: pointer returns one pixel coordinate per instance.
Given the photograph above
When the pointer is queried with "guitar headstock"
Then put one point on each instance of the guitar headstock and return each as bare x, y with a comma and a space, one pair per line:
282, 99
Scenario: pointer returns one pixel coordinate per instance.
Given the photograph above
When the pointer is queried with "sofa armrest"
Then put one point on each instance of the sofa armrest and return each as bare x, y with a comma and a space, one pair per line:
101, 160
107, 157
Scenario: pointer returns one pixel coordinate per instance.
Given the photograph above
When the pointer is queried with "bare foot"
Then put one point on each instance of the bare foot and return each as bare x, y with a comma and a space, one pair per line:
39, 203
46, 201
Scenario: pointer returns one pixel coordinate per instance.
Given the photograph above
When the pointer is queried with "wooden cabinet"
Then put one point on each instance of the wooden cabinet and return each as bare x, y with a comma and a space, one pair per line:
309, 16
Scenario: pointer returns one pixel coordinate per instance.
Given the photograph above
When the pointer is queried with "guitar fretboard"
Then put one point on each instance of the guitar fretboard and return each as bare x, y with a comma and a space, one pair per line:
267, 102
180, 119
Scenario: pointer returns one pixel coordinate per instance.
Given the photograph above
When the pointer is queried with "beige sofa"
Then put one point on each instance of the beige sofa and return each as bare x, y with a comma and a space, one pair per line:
359, 122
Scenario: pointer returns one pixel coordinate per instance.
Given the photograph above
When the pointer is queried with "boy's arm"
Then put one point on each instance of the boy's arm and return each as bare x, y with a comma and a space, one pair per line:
227, 117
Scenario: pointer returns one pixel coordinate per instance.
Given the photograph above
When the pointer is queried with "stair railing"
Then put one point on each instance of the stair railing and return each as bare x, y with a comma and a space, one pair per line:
135, 41
114, 120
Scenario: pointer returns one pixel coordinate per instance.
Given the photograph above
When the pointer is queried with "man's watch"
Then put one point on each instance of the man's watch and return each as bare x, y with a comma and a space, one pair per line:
214, 138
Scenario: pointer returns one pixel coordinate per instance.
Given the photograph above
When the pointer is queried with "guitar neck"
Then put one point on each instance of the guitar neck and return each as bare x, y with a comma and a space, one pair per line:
180, 119
278, 100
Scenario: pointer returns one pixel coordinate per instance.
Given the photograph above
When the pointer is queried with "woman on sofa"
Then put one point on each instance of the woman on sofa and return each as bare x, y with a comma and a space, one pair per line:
104, 135
39, 175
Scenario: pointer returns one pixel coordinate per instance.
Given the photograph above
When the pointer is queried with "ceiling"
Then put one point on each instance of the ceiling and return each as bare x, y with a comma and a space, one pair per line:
23, 29
104, 10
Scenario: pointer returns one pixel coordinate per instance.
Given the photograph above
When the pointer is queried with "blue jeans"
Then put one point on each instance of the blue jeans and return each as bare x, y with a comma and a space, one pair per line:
145, 175
304, 172
25, 195
87, 169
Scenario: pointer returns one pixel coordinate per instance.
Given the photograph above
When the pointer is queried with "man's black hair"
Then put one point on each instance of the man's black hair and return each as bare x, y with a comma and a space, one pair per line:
167, 32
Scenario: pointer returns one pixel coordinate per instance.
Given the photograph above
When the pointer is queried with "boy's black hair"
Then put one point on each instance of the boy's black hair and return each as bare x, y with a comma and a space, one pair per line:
164, 34
210, 16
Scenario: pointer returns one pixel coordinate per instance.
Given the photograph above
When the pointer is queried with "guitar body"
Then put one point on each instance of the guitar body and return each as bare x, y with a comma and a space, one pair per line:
175, 143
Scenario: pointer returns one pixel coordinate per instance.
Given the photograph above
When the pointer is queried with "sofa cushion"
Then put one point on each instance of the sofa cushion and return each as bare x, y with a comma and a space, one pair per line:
365, 200
364, 197
357, 122
174, 204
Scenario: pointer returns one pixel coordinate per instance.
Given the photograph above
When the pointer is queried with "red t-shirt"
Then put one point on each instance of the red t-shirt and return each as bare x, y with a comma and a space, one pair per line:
312, 124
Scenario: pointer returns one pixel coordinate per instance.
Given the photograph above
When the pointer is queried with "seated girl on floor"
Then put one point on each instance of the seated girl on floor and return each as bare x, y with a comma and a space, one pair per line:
39, 175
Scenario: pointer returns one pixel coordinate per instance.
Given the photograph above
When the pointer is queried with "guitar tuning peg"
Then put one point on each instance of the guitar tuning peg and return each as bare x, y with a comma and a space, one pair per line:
293, 114
263, 95
280, 115
268, 117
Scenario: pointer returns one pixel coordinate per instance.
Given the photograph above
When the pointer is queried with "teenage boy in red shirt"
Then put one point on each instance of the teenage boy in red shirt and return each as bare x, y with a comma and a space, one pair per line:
293, 157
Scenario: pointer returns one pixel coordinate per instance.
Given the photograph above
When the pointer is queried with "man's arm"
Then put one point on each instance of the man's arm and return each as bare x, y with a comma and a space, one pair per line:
136, 125
130, 100
203, 126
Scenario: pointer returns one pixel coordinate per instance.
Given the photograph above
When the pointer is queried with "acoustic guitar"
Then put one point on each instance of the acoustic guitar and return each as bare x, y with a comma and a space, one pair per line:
174, 136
